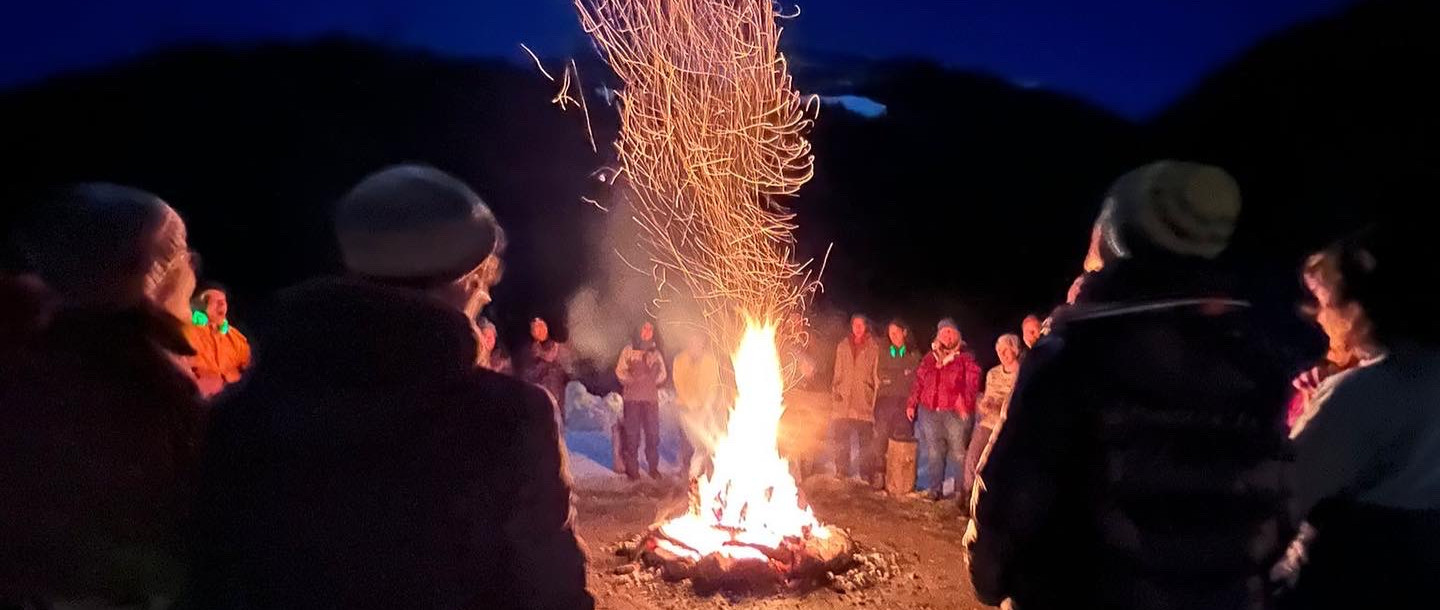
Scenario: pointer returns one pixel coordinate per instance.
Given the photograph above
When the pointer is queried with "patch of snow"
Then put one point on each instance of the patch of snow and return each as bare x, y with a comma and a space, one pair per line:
857, 104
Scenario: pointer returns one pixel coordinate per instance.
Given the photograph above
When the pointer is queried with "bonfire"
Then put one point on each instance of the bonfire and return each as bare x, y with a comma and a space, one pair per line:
712, 139
746, 526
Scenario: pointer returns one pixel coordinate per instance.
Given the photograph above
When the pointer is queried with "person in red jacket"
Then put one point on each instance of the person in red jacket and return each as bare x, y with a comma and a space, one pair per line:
942, 403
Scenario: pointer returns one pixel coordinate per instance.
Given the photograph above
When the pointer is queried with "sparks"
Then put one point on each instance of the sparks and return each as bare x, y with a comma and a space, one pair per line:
712, 136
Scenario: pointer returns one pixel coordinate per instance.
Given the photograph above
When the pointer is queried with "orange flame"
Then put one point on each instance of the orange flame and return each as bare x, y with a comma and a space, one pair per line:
751, 497
712, 134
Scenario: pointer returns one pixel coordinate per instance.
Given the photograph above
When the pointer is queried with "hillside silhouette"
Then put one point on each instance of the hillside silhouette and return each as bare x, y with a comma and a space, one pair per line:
970, 196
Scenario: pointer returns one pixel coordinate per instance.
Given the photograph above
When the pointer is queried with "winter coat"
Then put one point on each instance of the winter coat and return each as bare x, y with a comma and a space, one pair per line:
856, 379
641, 371
98, 450
1365, 466
547, 365
697, 379
382, 469
946, 383
221, 355
896, 371
1140, 462
998, 386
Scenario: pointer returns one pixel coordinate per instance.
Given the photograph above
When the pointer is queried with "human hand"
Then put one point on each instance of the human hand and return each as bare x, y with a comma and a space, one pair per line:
1309, 381
910, 413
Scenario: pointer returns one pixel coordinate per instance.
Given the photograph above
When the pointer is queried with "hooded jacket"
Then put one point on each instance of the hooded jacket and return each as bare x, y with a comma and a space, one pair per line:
369, 462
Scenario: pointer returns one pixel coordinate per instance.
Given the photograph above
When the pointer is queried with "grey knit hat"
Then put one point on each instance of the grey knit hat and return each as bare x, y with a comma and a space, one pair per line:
414, 223
1186, 209
947, 323
105, 243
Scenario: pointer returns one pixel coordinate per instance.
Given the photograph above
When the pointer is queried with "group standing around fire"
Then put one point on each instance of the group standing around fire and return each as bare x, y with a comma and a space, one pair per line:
1144, 446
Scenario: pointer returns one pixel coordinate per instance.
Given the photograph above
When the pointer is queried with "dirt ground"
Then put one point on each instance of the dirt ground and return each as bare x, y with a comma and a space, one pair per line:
920, 539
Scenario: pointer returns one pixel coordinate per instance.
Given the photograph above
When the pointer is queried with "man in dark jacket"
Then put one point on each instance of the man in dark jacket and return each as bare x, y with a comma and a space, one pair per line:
368, 461
1139, 463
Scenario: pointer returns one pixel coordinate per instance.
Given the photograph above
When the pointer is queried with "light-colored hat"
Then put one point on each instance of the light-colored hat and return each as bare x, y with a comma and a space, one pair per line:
414, 223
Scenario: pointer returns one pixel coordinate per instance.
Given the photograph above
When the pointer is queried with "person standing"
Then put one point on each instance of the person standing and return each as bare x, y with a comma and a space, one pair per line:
368, 461
999, 383
103, 423
493, 355
1140, 464
641, 370
547, 363
1030, 330
942, 404
1321, 275
854, 388
896, 372
1367, 449
222, 353
697, 386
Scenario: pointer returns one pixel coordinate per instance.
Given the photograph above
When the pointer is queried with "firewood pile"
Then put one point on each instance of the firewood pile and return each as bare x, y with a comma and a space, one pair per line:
798, 563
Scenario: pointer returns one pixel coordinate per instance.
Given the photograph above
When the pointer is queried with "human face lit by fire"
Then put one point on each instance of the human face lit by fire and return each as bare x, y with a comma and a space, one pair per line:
539, 331
488, 337
1009, 356
1337, 320
217, 306
857, 327
949, 338
647, 332
897, 335
1030, 330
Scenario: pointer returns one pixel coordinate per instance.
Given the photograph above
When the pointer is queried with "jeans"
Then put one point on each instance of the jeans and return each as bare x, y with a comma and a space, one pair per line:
943, 433
641, 417
978, 441
842, 432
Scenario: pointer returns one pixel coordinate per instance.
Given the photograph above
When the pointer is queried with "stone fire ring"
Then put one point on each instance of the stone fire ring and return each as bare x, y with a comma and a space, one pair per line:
795, 561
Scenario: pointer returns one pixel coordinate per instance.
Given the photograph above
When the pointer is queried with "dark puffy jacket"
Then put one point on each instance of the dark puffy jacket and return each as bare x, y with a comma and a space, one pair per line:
369, 462
1140, 463
99, 442
897, 371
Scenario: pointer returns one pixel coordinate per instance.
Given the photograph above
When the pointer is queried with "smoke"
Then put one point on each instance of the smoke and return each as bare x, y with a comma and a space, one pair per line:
603, 315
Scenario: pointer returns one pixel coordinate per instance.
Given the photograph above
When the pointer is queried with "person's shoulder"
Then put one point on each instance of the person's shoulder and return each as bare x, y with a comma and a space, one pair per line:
510, 394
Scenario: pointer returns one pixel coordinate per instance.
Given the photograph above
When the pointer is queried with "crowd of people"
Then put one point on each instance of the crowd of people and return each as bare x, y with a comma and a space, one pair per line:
1144, 446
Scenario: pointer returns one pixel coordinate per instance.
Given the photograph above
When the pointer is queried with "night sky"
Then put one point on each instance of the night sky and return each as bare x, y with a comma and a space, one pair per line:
1132, 56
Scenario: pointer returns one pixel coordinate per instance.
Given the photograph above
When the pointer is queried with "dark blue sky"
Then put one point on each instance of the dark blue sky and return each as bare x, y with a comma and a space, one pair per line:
1133, 56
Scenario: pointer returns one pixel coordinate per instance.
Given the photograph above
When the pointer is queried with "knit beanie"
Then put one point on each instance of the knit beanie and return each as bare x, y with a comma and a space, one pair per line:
414, 224
105, 244
1184, 209
947, 323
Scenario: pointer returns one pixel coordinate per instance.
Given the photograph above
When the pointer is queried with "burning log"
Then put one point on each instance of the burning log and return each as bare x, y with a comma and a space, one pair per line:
748, 567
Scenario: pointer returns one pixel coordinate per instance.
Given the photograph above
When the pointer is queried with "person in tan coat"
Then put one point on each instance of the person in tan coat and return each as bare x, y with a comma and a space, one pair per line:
854, 386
